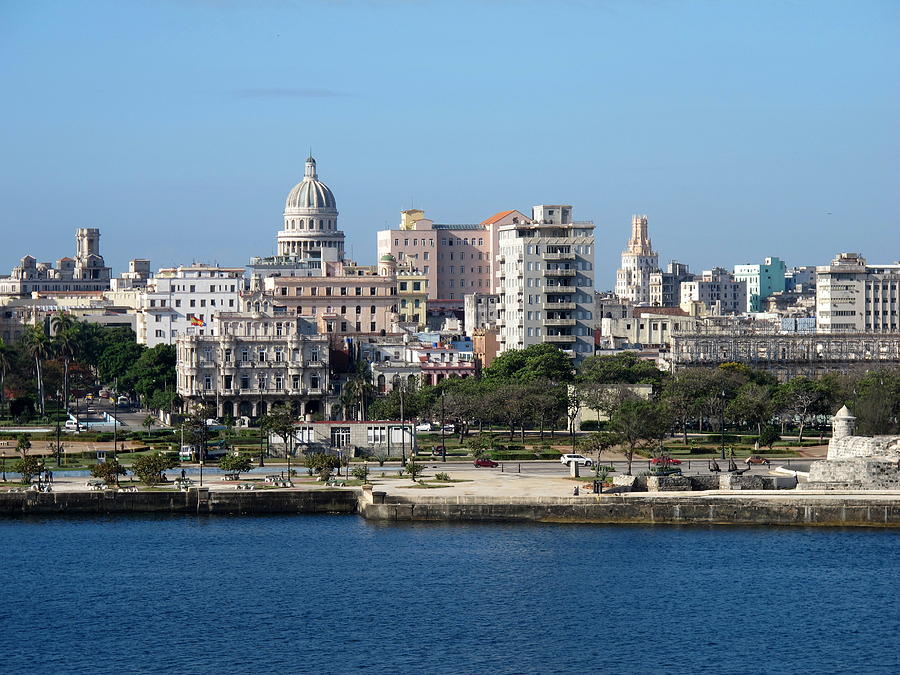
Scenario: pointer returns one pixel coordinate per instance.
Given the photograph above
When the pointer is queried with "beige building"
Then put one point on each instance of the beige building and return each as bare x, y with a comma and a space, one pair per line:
852, 296
717, 291
545, 282
349, 299
253, 362
87, 271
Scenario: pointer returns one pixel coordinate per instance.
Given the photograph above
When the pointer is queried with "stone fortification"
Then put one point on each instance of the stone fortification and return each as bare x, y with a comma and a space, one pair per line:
857, 462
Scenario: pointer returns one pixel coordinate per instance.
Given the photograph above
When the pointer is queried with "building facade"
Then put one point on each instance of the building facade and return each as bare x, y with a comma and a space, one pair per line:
852, 296
87, 271
545, 282
717, 291
665, 287
184, 301
255, 361
480, 311
639, 261
762, 281
457, 259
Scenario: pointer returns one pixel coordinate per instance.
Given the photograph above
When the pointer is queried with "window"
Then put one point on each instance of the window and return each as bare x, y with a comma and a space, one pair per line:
178, 303
313, 381
295, 382
207, 382
245, 381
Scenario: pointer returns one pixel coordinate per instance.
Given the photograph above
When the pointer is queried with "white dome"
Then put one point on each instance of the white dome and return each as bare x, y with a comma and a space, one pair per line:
310, 193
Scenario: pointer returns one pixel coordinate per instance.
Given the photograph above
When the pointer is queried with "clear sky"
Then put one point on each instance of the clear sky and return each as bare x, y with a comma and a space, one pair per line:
743, 129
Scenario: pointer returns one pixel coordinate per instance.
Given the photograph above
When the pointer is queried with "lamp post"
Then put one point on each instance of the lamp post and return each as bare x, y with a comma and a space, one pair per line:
722, 423
402, 428
58, 430
443, 445
115, 427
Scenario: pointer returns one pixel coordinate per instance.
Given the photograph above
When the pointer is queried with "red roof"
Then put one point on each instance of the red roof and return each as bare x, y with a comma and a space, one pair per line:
497, 216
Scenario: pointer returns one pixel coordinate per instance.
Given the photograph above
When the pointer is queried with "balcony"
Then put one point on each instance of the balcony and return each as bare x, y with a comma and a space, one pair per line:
560, 273
559, 322
559, 256
560, 289
559, 338
558, 305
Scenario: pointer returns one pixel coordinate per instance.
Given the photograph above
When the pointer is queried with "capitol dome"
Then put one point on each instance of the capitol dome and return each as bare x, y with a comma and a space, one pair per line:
310, 193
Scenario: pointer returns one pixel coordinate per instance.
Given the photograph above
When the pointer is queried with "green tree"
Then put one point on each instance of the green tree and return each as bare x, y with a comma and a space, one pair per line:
624, 368
116, 361
597, 442
683, 394
108, 471
802, 399
6, 359
753, 404
357, 392
876, 403
414, 470
29, 466
281, 422
639, 424
149, 468
541, 361
768, 437
23, 445
37, 345
153, 371
148, 423
64, 345
232, 463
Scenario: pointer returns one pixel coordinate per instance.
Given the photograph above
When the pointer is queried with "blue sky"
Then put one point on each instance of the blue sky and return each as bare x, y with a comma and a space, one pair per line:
743, 129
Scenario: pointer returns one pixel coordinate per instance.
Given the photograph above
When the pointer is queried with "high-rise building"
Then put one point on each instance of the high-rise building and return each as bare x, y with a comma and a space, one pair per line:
545, 282
639, 261
852, 296
762, 280
665, 287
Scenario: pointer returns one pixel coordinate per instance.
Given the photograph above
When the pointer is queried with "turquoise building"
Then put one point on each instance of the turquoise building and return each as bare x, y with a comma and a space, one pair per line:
762, 280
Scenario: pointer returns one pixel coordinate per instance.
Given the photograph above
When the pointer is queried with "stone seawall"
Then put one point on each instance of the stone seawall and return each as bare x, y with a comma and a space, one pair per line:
745, 510
200, 501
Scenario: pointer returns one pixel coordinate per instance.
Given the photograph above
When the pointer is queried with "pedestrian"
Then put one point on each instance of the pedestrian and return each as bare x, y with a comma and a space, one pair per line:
49, 476
183, 474
575, 491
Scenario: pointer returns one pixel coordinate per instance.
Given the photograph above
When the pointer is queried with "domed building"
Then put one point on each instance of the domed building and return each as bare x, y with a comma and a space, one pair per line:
310, 221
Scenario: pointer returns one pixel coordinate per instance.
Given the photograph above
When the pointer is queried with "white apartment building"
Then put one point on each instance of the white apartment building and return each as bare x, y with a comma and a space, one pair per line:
717, 291
852, 296
545, 282
479, 311
184, 301
252, 361
639, 261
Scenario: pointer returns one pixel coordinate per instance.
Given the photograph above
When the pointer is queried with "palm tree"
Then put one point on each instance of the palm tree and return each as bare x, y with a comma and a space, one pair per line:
64, 345
37, 344
6, 354
358, 390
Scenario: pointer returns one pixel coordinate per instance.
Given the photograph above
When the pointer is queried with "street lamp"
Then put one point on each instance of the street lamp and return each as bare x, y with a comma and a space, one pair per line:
722, 423
443, 445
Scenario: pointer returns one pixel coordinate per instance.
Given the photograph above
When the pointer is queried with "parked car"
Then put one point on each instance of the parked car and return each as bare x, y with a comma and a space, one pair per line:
491, 464
122, 401
665, 460
757, 459
449, 429
424, 426
72, 425
577, 459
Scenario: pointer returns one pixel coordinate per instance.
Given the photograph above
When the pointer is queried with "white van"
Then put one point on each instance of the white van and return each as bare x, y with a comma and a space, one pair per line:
72, 425
122, 400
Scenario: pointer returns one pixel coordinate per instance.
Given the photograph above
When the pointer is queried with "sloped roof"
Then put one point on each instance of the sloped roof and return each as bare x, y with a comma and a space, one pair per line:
497, 216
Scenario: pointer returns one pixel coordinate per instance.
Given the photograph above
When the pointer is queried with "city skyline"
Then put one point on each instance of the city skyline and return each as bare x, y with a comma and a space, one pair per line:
185, 146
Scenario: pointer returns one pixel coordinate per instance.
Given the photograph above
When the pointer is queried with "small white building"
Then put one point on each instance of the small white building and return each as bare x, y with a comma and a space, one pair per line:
852, 296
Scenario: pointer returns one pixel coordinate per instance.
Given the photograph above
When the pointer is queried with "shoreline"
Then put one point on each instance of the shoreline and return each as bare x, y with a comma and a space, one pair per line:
767, 508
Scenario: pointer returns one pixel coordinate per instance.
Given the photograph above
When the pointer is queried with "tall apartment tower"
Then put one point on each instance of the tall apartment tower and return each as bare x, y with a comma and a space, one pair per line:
545, 282
639, 261
854, 297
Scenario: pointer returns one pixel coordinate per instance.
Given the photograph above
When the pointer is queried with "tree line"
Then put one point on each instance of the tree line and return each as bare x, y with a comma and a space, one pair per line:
61, 359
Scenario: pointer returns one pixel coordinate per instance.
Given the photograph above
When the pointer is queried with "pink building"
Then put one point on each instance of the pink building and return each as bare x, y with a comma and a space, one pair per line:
456, 259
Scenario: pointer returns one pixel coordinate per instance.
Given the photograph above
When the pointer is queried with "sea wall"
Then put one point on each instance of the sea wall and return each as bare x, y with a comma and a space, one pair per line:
193, 501
682, 510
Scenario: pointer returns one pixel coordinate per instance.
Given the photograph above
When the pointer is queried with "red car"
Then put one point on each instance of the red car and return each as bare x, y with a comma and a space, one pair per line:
665, 460
486, 462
